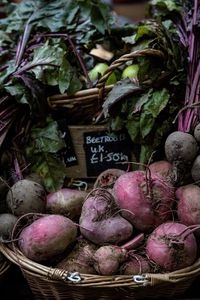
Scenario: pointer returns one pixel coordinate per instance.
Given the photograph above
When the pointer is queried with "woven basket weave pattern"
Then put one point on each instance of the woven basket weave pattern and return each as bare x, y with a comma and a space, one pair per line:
4, 267
87, 103
49, 283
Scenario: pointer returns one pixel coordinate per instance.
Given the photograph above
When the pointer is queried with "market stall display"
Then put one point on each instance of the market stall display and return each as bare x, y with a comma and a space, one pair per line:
99, 148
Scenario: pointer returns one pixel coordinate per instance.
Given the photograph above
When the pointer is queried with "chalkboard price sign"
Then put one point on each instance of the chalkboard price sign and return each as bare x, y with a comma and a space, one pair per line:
69, 154
105, 150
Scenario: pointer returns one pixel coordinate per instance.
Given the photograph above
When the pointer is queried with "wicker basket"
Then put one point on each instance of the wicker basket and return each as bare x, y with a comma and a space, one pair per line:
85, 104
50, 283
4, 267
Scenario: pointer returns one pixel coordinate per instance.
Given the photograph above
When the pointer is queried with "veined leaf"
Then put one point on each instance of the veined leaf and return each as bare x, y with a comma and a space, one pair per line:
67, 78
170, 4
157, 102
146, 123
42, 152
51, 169
133, 127
141, 101
4, 38
45, 57
47, 139
19, 91
121, 89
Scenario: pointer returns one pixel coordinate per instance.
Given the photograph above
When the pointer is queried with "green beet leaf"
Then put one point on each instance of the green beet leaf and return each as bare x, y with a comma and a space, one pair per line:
43, 154
51, 169
47, 139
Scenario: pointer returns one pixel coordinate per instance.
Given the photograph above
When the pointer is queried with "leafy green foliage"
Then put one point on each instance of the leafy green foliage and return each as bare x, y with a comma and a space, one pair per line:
168, 5
45, 50
51, 169
122, 89
144, 118
59, 15
42, 152
162, 80
184, 18
160, 8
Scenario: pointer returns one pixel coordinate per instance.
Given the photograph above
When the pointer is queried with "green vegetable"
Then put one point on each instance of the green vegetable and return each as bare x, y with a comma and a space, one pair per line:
44, 50
130, 71
147, 112
186, 22
42, 151
99, 69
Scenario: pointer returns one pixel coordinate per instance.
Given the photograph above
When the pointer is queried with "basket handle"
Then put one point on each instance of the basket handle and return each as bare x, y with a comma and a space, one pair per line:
123, 59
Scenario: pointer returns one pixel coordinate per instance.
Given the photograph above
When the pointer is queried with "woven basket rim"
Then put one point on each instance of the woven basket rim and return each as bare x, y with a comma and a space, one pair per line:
125, 58
55, 274
4, 266
100, 90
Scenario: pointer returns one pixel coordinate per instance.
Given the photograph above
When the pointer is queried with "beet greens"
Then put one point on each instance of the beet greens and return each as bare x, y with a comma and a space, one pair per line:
44, 50
147, 112
190, 117
185, 16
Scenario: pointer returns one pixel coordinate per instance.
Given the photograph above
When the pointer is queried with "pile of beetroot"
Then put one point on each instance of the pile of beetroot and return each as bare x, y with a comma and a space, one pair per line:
141, 221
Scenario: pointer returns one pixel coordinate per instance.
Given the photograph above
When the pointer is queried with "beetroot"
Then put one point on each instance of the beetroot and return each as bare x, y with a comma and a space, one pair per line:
195, 170
26, 196
197, 132
181, 146
107, 178
172, 246
135, 264
161, 167
46, 237
135, 242
80, 259
107, 259
189, 204
100, 221
67, 202
145, 201
7, 223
